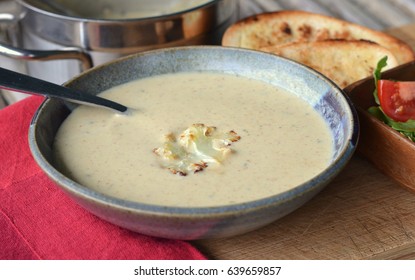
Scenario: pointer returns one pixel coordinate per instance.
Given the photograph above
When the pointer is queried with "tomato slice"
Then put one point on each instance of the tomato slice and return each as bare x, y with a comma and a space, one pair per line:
397, 99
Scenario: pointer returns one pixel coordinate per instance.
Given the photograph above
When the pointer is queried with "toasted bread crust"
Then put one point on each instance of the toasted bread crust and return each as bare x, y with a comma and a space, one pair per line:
284, 27
342, 61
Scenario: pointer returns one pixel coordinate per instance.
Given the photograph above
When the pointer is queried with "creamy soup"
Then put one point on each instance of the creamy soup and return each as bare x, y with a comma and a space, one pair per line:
282, 141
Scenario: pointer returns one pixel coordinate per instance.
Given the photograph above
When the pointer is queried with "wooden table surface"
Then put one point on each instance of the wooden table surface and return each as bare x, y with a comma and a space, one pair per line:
362, 214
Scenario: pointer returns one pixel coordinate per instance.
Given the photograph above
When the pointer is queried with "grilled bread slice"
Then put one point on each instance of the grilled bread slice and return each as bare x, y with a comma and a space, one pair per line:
342, 61
284, 27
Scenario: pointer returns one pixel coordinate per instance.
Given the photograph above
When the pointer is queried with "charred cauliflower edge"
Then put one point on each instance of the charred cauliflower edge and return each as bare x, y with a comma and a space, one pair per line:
195, 148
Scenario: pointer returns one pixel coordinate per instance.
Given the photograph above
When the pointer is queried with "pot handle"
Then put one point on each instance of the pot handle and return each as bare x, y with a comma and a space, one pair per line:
42, 55
45, 55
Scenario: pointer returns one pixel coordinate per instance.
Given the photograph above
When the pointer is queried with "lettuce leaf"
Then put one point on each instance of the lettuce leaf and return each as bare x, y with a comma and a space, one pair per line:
383, 62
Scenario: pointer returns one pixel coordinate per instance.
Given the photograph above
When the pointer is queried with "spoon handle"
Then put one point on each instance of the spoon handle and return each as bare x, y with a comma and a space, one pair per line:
14, 81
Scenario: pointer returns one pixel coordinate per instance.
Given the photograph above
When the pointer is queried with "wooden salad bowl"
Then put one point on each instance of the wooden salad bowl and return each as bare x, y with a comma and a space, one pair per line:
388, 150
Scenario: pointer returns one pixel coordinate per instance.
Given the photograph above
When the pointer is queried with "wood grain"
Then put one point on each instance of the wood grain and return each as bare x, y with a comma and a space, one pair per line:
362, 214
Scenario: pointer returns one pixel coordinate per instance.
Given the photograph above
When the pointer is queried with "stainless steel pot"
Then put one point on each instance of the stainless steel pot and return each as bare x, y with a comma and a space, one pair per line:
95, 32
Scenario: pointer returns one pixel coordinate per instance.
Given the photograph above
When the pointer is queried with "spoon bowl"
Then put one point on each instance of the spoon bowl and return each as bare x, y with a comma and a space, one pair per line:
15, 81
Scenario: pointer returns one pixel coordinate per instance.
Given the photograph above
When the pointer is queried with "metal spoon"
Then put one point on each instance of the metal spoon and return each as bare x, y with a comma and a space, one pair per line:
14, 81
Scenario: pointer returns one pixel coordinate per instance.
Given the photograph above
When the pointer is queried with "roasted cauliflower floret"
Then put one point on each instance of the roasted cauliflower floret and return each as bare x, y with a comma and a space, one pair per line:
195, 149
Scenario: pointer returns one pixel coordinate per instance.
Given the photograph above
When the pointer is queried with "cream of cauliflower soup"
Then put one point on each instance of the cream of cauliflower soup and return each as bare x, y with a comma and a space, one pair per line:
195, 139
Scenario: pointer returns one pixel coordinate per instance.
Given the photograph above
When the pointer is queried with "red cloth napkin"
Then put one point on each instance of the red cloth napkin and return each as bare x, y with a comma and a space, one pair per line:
38, 221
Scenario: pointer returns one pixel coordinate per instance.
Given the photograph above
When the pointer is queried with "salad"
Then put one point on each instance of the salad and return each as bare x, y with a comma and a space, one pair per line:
395, 102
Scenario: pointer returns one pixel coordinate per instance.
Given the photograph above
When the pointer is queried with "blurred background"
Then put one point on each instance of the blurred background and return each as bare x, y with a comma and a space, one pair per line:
377, 14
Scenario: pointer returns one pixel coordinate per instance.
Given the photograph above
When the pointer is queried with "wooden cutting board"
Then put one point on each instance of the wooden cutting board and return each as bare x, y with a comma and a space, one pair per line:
362, 214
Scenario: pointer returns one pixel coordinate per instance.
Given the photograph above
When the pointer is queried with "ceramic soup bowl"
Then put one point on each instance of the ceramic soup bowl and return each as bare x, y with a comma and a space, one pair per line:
189, 223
